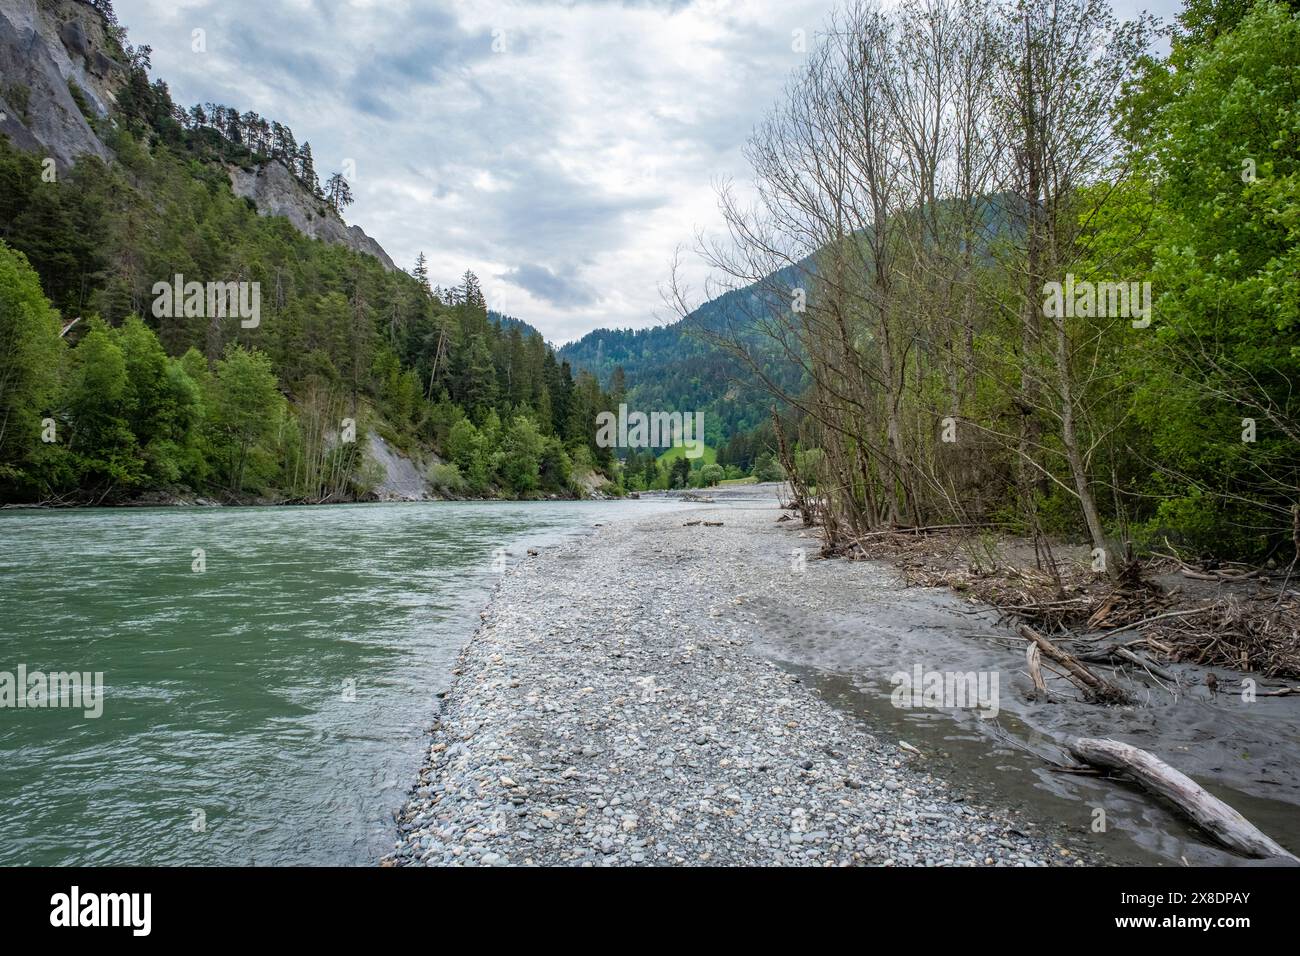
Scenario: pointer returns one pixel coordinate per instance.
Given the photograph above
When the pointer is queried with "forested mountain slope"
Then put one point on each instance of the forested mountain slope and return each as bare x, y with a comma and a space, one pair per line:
682, 366
103, 205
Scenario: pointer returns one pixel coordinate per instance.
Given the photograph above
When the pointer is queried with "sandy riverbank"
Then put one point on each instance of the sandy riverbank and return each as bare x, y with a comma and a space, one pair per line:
616, 707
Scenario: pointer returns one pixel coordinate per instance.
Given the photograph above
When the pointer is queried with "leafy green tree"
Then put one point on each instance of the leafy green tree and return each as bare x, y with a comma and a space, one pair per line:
245, 409
650, 473
468, 450
679, 473
522, 448
1227, 151
164, 407
30, 358
99, 404
555, 466
766, 469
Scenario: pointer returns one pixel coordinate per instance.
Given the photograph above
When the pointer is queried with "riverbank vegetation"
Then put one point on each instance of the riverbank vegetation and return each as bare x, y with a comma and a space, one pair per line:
960, 206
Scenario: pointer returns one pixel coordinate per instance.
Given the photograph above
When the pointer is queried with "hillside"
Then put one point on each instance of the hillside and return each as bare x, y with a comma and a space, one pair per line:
115, 388
680, 366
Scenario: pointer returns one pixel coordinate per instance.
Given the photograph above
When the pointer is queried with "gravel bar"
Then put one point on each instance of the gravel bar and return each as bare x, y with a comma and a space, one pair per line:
611, 711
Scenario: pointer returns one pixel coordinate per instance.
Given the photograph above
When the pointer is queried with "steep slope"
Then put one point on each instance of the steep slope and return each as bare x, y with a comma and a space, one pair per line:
61, 72
275, 192
680, 367
48, 50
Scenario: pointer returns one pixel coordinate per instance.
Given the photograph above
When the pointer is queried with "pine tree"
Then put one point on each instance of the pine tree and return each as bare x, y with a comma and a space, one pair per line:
421, 271
338, 193
307, 169
471, 293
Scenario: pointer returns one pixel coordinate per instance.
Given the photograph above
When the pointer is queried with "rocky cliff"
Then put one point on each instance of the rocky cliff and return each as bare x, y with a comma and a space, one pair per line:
51, 53
403, 478
276, 192
56, 52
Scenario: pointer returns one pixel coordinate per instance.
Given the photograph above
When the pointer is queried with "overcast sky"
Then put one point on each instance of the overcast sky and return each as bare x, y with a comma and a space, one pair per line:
559, 149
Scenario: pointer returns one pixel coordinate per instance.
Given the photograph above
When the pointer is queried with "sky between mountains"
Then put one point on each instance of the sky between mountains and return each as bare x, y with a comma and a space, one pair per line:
559, 149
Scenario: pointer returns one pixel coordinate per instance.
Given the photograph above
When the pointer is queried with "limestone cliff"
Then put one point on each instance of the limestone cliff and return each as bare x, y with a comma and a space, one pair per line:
276, 192
48, 49
54, 52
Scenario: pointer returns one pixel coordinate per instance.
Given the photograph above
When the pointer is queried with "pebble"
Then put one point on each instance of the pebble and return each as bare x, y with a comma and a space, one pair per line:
611, 711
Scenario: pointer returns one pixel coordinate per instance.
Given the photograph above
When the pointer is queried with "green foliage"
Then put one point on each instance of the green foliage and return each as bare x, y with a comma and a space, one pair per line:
1227, 271
30, 358
707, 456
339, 335
679, 473
710, 475
246, 409
18, 96
79, 97
521, 454
446, 478
99, 402
767, 469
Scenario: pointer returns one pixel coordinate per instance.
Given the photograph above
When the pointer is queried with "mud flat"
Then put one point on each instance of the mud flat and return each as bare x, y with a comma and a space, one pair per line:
620, 704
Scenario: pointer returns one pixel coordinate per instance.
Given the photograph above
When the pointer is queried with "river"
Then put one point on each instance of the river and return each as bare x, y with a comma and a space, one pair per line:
265, 702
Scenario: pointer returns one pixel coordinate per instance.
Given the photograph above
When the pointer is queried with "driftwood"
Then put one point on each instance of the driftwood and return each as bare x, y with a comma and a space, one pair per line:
1225, 576
926, 529
1098, 687
1133, 657
1105, 654
1032, 656
1205, 810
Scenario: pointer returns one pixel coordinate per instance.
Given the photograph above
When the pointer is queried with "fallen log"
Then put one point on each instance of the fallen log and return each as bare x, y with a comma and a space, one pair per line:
1103, 655
1204, 809
1223, 576
1147, 665
1096, 686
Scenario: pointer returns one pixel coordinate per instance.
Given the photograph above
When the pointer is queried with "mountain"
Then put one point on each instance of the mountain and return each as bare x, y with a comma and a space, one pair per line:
508, 322
64, 66
681, 367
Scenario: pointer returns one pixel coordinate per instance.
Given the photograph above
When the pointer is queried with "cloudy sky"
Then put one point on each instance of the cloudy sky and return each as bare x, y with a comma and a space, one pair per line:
560, 149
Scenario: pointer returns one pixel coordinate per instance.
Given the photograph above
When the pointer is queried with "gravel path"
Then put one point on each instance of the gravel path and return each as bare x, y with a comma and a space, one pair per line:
612, 711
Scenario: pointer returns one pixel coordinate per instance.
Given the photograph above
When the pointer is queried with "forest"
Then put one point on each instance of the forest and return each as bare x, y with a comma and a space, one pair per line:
964, 209
101, 399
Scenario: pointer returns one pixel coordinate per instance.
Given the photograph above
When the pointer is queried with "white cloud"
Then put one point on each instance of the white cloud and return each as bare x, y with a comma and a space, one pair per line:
564, 170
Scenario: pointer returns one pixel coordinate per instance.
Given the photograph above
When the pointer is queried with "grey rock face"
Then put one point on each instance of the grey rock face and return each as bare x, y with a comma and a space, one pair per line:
403, 478
275, 192
43, 48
